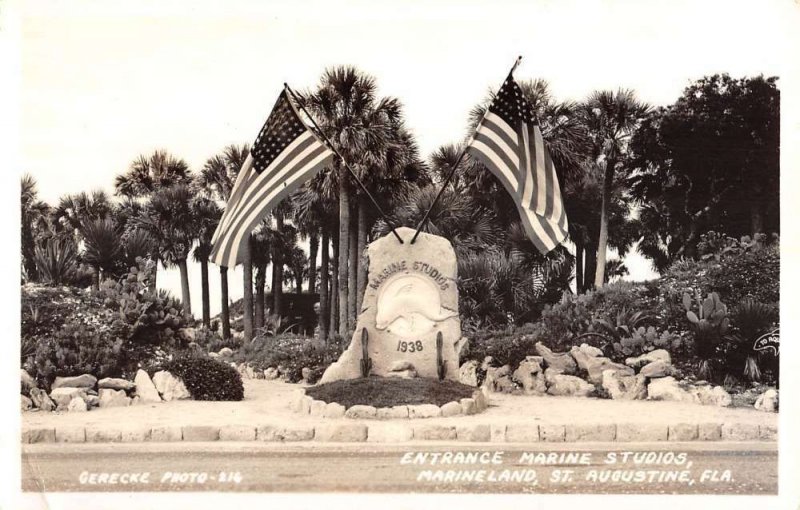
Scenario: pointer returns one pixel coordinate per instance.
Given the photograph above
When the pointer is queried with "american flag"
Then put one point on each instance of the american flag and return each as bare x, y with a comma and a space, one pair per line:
509, 142
285, 155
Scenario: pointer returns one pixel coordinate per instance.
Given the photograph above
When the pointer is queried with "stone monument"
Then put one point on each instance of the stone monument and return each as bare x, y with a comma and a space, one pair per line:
411, 297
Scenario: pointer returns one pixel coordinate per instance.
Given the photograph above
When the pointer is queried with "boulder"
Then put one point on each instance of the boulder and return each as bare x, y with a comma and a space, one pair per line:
567, 385
170, 387
649, 357
713, 396
360, 412
145, 389
411, 298
225, 352
404, 374
451, 409
530, 374
213, 355
487, 363
468, 373
41, 400
271, 373
92, 401
63, 396
595, 366
112, 383
656, 369
26, 381
77, 405
113, 398
590, 350
624, 387
668, 388
25, 404
562, 362
81, 381
498, 379
768, 401
189, 334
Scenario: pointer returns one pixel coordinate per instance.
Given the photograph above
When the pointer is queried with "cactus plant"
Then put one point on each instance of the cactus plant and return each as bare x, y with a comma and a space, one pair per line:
710, 325
366, 362
441, 368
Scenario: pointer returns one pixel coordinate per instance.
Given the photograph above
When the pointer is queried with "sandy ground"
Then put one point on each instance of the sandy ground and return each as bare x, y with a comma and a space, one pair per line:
266, 402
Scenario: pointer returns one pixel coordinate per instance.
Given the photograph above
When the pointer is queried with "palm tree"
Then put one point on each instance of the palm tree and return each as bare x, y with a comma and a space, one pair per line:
33, 216
261, 242
73, 211
207, 214
171, 222
611, 118
216, 180
149, 174
346, 108
102, 249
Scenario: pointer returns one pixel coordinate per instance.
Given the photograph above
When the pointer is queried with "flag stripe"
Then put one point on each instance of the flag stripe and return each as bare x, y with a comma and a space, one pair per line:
285, 154
261, 190
315, 162
258, 181
510, 144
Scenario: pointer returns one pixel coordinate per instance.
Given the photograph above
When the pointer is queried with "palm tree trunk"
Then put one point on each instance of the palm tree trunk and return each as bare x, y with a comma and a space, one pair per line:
247, 298
277, 269
313, 249
344, 252
204, 291
187, 303
352, 277
578, 268
261, 282
96, 278
602, 243
225, 312
362, 266
589, 266
324, 301
335, 286
154, 284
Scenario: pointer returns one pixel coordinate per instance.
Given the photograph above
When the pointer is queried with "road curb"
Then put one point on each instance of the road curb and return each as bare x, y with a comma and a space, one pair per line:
400, 432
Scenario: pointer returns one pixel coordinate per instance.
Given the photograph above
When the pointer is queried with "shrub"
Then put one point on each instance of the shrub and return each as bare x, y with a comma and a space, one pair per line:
754, 274
505, 347
206, 378
291, 352
56, 261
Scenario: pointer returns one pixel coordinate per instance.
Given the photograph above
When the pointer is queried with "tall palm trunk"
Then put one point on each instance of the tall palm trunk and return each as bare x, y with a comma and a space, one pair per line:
204, 292
277, 270
361, 284
602, 243
344, 252
225, 312
324, 296
352, 277
313, 249
247, 283
335, 286
187, 303
96, 278
590, 266
261, 282
578, 268
154, 283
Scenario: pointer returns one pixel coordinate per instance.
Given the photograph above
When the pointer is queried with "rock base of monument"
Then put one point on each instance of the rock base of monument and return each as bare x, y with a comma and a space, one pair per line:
306, 404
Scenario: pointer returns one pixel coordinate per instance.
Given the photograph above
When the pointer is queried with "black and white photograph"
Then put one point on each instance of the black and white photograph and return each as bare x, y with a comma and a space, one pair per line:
368, 250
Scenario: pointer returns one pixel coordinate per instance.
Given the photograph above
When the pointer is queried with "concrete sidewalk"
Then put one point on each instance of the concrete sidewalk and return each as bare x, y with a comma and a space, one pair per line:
264, 415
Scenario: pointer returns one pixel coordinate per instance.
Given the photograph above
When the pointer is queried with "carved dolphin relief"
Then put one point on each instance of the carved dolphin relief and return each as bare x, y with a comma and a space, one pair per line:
409, 305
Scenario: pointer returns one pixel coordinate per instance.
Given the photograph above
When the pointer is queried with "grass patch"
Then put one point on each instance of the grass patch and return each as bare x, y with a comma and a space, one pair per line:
387, 392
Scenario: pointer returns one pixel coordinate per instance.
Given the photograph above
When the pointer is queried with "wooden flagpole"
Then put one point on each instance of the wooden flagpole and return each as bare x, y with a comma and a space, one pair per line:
453, 169
346, 164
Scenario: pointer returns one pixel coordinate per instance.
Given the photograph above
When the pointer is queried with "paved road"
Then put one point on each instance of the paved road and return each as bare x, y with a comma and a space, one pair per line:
710, 468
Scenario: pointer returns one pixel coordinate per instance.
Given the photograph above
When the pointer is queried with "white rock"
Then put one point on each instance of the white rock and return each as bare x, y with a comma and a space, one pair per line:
77, 404
591, 350
113, 398
145, 389
79, 381
658, 368
649, 357
467, 373
112, 383
170, 387
530, 374
560, 361
27, 382
225, 351
567, 385
767, 401
624, 387
41, 400
62, 396
25, 403
667, 388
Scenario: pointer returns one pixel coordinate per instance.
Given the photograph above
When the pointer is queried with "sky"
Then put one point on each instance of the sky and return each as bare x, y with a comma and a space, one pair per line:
103, 82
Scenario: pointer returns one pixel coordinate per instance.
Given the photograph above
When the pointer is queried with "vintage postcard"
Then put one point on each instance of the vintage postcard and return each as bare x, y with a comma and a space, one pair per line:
305, 249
